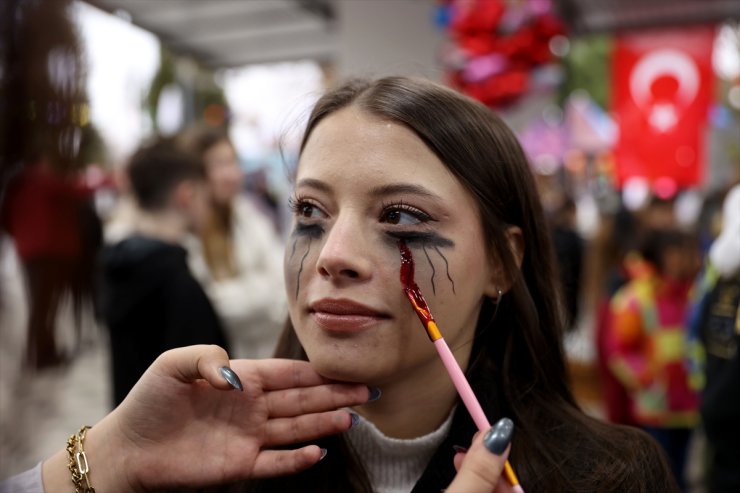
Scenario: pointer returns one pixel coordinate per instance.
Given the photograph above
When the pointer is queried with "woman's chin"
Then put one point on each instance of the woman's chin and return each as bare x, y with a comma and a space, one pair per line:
344, 371
340, 373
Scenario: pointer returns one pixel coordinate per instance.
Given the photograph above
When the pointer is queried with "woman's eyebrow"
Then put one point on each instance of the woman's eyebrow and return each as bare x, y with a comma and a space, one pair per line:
379, 191
402, 188
314, 183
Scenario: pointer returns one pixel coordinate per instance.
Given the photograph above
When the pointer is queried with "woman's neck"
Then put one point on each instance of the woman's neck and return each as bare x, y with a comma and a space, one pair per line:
418, 403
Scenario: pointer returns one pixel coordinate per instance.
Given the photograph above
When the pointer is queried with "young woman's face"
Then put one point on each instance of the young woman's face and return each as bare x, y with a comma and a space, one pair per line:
363, 184
224, 174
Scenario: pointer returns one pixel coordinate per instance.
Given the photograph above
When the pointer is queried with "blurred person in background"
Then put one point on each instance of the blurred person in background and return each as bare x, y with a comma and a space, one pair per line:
239, 256
659, 213
647, 341
717, 325
605, 274
44, 215
152, 302
257, 188
46, 209
569, 255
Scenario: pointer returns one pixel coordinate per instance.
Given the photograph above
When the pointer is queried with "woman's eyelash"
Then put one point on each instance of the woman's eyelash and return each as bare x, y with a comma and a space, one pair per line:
298, 204
304, 226
420, 215
309, 219
295, 203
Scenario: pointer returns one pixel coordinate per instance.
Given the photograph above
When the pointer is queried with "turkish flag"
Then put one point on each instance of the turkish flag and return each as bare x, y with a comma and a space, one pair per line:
661, 89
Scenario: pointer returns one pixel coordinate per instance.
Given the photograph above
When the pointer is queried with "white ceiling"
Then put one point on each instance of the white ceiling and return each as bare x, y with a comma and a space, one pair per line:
230, 33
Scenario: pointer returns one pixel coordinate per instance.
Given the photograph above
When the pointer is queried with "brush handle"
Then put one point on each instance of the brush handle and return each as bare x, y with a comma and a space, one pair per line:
462, 385
470, 401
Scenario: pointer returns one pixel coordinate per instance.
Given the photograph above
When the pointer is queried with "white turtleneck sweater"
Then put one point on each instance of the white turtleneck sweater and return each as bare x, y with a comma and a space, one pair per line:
394, 465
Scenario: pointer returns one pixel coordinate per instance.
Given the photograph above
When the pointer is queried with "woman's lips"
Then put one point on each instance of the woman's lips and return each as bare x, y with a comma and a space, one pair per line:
342, 315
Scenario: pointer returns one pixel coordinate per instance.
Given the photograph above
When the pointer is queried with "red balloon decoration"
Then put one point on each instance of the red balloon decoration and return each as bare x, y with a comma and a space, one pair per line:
496, 44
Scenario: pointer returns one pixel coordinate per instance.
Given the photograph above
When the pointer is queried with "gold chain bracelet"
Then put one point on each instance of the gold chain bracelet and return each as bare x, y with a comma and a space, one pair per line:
77, 464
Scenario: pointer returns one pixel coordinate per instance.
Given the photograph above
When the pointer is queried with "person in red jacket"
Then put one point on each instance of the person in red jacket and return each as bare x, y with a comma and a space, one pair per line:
42, 213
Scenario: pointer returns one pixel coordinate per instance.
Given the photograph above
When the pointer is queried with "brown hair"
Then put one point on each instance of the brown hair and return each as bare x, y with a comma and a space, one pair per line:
517, 347
157, 168
216, 235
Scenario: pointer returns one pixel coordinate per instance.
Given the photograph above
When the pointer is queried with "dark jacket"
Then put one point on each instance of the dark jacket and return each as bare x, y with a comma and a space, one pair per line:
152, 303
720, 408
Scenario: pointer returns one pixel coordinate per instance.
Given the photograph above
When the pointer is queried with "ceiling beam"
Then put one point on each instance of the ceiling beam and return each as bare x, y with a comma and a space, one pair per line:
599, 16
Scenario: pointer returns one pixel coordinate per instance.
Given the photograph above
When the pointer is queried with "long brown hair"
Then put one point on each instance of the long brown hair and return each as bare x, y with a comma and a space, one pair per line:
517, 346
217, 233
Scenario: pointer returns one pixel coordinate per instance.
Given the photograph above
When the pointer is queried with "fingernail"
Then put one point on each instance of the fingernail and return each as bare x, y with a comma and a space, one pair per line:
459, 450
355, 419
375, 394
231, 377
497, 438
323, 453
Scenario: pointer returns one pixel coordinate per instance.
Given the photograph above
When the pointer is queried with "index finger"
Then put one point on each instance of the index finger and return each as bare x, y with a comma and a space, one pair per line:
306, 400
279, 374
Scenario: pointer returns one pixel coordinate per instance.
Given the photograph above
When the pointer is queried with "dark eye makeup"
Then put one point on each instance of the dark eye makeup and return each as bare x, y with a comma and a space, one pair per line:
308, 230
419, 238
395, 215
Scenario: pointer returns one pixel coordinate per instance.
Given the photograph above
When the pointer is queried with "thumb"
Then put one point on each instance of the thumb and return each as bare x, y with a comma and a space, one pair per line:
483, 463
208, 362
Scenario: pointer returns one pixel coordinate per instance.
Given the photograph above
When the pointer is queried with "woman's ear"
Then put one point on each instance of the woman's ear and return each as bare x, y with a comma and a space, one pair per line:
500, 281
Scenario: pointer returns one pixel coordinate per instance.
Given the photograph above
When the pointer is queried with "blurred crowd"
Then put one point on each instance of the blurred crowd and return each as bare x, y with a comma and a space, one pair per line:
173, 250
659, 297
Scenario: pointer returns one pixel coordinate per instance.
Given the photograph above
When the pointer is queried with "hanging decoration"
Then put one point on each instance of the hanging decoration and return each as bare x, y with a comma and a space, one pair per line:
500, 48
183, 93
662, 83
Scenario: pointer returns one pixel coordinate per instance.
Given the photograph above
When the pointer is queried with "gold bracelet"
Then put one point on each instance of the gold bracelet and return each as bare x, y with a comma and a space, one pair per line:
77, 463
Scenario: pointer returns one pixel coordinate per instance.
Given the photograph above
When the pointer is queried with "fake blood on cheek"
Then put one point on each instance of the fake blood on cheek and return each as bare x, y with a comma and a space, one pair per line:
458, 378
410, 287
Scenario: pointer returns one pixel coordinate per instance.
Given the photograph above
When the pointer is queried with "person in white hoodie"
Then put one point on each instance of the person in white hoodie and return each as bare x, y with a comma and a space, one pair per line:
238, 258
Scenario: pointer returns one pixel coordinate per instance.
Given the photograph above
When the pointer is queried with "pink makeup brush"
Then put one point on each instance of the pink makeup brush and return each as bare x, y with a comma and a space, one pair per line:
453, 369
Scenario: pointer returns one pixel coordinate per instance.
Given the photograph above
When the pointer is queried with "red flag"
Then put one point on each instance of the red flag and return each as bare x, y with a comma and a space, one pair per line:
662, 87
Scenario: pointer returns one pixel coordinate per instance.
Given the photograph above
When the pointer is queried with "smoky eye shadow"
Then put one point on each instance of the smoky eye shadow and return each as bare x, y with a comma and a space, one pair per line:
312, 231
422, 239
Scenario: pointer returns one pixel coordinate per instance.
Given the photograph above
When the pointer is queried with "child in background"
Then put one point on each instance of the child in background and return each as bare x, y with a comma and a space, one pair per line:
647, 341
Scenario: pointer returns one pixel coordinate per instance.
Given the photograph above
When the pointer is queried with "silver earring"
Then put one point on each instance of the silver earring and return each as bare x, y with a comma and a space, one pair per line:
496, 302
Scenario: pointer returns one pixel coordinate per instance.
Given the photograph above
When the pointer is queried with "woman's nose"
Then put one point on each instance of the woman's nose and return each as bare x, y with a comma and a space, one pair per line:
346, 253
